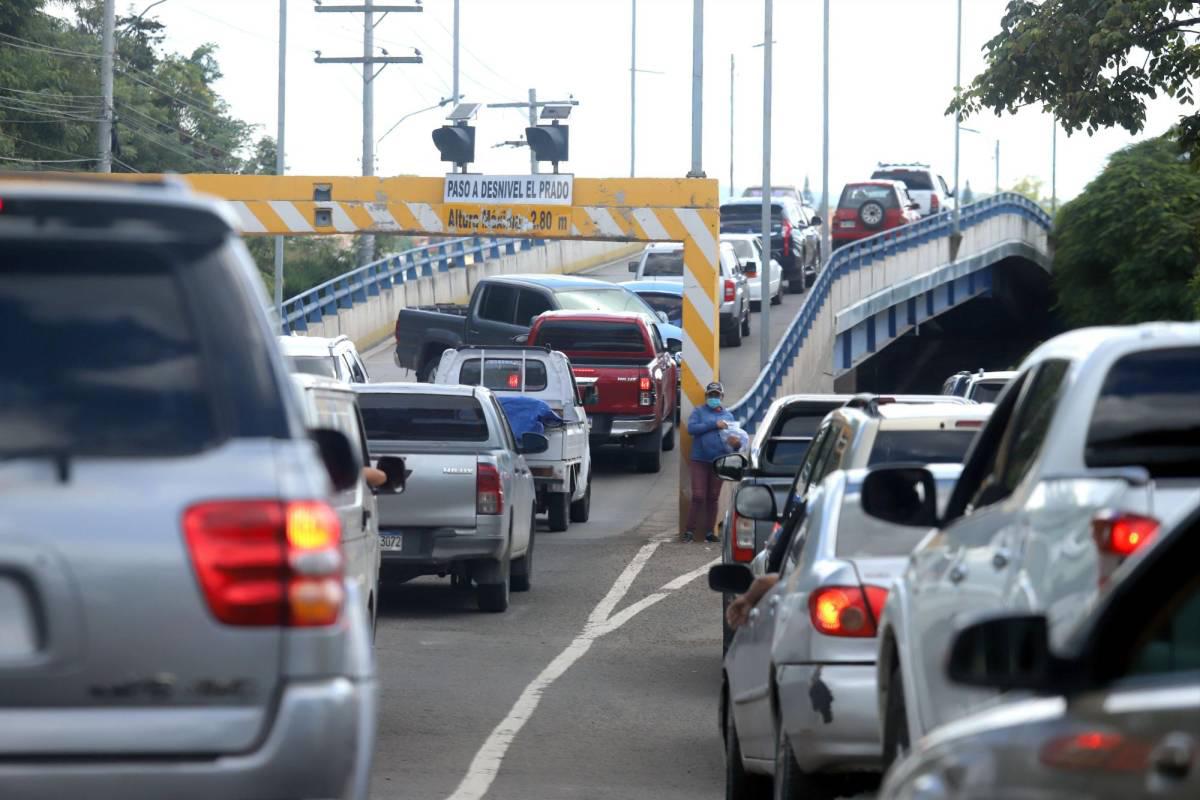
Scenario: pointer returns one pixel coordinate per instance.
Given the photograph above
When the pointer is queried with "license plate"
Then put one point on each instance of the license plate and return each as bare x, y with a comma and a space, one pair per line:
846, 224
395, 542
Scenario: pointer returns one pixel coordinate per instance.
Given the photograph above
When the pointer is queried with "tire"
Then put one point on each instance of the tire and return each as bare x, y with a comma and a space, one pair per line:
746, 323
796, 285
493, 597
429, 371
791, 783
522, 568
735, 335
668, 442
895, 721
650, 458
558, 510
871, 214
777, 298
581, 509
739, 784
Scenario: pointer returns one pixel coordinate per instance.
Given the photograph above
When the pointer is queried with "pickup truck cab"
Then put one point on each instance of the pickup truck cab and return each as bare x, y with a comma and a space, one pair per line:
501, 309
562, 475
634, 376
468, 509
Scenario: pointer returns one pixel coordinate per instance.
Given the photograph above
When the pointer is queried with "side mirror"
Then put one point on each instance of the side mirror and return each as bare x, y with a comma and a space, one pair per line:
730, 578
633, 265
397, 473
662, 317
338, 457
1005, 652
914, 205
901, 495
532, 444
730, 467
816, 221
750, 266
590, 394
674, 346
755, 502
520, 338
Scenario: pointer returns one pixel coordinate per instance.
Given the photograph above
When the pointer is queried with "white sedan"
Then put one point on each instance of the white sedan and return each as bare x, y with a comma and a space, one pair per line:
749, 252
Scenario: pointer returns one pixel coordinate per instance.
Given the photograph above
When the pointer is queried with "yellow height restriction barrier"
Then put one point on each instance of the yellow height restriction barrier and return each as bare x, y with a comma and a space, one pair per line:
539, 206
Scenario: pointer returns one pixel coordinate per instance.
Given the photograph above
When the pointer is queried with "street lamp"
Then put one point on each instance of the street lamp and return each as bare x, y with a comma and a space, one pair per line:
731, 111
445, 101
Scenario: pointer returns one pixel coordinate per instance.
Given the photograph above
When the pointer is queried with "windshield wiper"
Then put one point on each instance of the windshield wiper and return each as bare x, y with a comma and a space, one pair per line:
60, 456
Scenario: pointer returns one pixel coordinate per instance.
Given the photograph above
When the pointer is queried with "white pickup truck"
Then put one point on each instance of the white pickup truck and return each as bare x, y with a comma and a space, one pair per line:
562, 474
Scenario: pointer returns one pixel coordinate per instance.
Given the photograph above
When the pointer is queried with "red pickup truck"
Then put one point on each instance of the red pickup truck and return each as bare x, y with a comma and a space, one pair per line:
634, 374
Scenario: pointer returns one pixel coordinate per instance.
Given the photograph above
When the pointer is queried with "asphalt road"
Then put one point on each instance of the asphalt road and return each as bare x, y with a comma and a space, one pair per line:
601, 682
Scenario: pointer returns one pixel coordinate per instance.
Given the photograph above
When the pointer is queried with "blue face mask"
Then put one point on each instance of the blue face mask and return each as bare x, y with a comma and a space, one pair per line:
714, 402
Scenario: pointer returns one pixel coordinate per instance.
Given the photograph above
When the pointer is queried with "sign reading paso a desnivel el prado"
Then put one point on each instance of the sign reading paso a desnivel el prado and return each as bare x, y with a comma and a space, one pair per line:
540, 190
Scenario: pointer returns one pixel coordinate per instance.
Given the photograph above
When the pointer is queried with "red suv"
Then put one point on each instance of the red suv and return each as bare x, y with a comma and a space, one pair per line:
870, 207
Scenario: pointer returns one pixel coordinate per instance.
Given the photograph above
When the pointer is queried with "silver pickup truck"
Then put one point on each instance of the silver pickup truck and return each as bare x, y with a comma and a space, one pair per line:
468, 508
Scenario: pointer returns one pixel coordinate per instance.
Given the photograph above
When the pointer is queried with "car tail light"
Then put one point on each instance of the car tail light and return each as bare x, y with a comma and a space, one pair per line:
787, 235
514, 381
847, 610
262, 562
489, 497
730, 291
1122, 534
935, 205
644, 384
743, 538
969, 423
1095, 750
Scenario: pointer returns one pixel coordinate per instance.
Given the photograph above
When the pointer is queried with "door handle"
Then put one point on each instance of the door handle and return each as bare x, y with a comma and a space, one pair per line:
772, 604
1173, 756
957, 574
753, 616
1000, 559
366, 519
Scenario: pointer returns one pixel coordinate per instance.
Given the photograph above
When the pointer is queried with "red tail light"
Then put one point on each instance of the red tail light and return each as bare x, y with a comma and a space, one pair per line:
935, 205
969, 423
489, 497
644, 384
851, 611
743, 538
1122, 534
730, 291
1095, 750
787, 235
262, 562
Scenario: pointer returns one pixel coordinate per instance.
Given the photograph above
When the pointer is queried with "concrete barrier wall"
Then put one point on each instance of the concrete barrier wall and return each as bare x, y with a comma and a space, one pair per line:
372, 321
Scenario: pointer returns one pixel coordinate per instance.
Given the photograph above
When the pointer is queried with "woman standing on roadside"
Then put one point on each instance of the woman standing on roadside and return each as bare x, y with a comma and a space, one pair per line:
714, 434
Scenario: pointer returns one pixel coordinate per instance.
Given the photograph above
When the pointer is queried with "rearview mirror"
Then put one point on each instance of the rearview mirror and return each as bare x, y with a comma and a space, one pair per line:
816, 221
901, 495
674, 346
397, 473
750, 266
730, 467
532, 444
730, 578
343, 468
633, 265
914, 205
1005, 652
520, 338
755, 502
590, 394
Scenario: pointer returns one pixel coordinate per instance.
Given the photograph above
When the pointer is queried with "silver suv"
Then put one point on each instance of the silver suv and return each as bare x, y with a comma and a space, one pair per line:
174, 619
925, 186
331, 358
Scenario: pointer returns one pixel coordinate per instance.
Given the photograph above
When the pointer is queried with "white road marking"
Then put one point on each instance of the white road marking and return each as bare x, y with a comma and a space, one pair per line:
487, 761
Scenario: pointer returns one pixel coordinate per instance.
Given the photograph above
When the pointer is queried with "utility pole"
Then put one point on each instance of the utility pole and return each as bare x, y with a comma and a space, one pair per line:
280, 165
533, 105
731, 86
697, 170
104, 131
764, 269
456, 34
957, 232
533, 115
368, 60
633, 89
826, 224
997, 166
1054, 167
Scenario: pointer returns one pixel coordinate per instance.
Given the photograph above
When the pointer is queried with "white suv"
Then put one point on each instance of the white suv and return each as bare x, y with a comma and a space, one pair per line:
925, 186
1090, 448
336, 358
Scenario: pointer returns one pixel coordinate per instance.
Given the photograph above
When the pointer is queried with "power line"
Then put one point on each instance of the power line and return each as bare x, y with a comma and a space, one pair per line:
46, 160
161, 123
176, 147
165, 93
47, 147
40, 47
126, 166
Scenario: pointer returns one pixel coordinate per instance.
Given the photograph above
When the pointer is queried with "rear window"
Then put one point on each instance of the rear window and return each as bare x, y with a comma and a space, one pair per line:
855, 196
987, 391
668, 264
924, 447
423, 417
101, 356
915, 180
504, 375
314, 365
745, 249
592, 337
860, 535
1147, 414
748, 212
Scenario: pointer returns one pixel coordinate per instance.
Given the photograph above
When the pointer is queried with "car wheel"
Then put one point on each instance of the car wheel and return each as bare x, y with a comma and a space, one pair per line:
734, 338
522, 568
739, 784
777, 298
756, 305
559, 505
581, 509
429, 371
493, 597
792, 783
895, 722
668, 442
746, 323
796, 285
650, 458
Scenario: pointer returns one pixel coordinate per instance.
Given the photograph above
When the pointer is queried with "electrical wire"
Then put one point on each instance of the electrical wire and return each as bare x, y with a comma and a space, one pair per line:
126, 166
46, 160
29, 44
47, 147
160, 123
176, 97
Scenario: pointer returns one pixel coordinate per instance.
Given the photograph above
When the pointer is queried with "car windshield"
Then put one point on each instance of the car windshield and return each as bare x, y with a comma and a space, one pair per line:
1146, 414
856, 195
315, 365
669, 304
504, 374
922, 447
668, 264
915, 180
604, 300
423, 417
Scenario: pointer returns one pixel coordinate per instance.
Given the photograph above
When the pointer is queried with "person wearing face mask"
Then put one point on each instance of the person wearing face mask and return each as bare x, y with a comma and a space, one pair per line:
710, 427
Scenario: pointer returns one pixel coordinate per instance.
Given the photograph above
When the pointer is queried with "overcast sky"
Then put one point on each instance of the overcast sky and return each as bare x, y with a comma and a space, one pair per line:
892, 75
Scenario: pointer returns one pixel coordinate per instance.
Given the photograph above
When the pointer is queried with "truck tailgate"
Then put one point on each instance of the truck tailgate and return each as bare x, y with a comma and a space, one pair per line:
617, 388
439, 493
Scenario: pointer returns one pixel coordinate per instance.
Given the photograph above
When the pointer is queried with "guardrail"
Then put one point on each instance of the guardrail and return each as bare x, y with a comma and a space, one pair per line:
359, 285
750, 409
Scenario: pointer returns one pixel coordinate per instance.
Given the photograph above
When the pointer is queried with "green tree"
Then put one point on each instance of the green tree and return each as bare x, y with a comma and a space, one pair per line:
1031, 187
1091, 63
1128, 247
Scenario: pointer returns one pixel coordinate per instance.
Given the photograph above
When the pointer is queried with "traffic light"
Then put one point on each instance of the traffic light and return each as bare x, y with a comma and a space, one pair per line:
549, 142
456, 143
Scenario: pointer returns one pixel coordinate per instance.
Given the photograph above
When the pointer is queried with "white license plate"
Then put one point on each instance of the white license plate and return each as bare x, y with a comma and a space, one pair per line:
392, 542
846, 224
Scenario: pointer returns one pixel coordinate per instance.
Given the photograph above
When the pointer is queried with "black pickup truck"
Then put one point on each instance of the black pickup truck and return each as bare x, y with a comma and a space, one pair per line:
502, 308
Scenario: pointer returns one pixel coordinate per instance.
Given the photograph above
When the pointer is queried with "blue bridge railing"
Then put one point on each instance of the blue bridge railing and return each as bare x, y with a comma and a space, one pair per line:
359, 285
750, 409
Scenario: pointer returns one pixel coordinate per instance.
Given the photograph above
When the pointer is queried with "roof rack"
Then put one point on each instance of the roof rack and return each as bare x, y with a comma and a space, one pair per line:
541, 348
869, 403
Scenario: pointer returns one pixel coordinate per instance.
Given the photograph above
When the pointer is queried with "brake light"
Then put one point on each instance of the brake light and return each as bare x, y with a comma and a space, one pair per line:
644, 384
1095, 750
514, 381
262, 562
489, 496
730, 291
851, 611
743, 538
787, 234
969, 423
1122, 534
935, 205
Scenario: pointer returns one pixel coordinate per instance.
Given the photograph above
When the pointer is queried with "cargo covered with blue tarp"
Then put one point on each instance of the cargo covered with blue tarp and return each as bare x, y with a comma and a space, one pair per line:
528, 414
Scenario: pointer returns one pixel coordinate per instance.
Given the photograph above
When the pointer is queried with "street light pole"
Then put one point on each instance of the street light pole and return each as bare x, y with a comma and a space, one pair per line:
731, 84
633, 89
107, 47
697, 170
957, 127
764, 268
826, 225
456, 29
280, 164
1054, 167
997, 166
